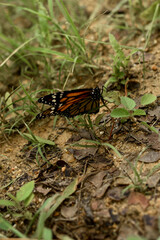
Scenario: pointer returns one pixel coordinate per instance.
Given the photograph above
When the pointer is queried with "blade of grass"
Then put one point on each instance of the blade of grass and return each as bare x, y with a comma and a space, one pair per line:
151, 26
53, 205
50, 7
69, 20
52, 52
16, 50
5, 225
113, 148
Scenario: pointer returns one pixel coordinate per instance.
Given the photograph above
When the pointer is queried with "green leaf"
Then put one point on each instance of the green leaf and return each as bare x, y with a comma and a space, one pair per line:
73, 28
6, 226
123, 81
50, 8
148, 13
8, 100
120, 113
12, 197
113, 96
114, 43
121, 75
153, 129
128, 103
148, 99
39, 139
28, 215
47, 234
53, 204
113, 79
6, 203
113, 148
139, 112
98, 118
52, 52
25, 191
63, 237
28, 200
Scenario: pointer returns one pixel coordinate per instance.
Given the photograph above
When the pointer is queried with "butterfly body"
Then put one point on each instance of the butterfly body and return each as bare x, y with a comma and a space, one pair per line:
72, 103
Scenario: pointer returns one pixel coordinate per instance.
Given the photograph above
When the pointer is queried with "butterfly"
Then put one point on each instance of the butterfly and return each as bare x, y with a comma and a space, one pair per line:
72, 103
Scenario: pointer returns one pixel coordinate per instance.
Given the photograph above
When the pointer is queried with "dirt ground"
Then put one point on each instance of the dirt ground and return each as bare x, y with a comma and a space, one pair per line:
97, 209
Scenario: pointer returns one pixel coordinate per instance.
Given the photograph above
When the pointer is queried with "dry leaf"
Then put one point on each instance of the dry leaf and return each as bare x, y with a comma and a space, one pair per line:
69, 212
150, 157
138, 198
97, 179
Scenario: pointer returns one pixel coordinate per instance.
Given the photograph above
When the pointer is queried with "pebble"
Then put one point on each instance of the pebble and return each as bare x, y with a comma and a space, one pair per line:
154, 68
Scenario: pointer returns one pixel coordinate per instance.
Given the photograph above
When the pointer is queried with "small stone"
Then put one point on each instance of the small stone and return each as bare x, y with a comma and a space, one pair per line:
154, 67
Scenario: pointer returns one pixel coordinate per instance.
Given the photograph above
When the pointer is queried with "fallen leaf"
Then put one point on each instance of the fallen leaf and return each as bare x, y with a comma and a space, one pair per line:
148, 220
122, 180
154, 141
126, 231
101, 162
155, 112
150, 224
115, 193
150, 157
83, 153
83, 133
62, 236
42, 190
86, 134
103, 213
100, 209
69, 212
88, 210
153, 180
74, 138
138, 198
101, 191
150, 139
97, 179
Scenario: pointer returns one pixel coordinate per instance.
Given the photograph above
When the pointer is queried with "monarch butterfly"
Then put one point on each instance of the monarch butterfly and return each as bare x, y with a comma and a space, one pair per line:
72, 103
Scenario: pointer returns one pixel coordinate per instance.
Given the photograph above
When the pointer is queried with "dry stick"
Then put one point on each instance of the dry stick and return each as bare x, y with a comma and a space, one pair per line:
126, 87
113, 122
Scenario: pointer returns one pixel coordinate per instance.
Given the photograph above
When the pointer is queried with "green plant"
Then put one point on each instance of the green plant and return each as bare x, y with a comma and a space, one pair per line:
25, 194
46, 29
154, 12
139, 181
149, 12
37, 142
120, 62
96, 143
16, 106
19, 203
85, 121
50, 205
35, 56
151, 128
129, 110
135, 238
